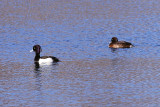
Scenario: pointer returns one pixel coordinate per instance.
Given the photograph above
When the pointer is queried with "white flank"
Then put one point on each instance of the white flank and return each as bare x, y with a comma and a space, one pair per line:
131, 46
47, 61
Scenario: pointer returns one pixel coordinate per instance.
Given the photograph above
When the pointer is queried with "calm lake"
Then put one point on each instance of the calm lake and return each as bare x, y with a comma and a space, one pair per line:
78, 33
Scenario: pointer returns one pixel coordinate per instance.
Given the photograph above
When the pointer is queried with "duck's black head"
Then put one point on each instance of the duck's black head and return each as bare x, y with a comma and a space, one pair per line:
114, 39
37, 49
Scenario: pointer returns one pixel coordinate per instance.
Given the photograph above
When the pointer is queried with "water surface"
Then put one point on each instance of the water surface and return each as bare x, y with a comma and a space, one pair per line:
78, 33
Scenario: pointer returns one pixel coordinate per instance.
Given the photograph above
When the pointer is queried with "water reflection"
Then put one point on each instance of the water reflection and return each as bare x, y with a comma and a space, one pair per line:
37, 76
113, 50
47, 67
42, 77
36, 66
38, 87
40, 70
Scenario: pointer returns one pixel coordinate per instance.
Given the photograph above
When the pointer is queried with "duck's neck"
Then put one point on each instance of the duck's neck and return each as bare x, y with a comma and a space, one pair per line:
37, 57
114, 41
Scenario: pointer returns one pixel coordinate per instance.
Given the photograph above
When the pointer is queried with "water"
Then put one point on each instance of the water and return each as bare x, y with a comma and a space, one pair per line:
78, 33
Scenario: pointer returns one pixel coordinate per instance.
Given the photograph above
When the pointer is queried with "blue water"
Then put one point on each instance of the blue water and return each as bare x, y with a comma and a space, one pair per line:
78, 33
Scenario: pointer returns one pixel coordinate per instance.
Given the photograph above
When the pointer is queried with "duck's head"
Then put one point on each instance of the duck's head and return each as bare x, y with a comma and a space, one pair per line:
114, 39
37, 49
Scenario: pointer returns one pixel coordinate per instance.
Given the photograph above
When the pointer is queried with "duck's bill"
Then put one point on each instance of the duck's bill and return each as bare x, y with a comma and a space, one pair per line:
31, 50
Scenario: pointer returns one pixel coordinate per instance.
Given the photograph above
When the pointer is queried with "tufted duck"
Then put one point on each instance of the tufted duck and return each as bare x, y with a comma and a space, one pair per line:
44, 59
119, 44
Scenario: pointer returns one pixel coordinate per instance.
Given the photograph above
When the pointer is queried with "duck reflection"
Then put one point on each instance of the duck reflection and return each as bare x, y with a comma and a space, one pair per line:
36, 66
113, 50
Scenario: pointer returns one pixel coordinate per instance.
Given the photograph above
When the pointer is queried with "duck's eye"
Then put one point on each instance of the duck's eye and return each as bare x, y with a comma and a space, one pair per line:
34, 48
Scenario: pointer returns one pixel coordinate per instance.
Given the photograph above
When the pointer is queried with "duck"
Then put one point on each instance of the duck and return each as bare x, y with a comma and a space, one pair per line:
46, 60
119, 44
